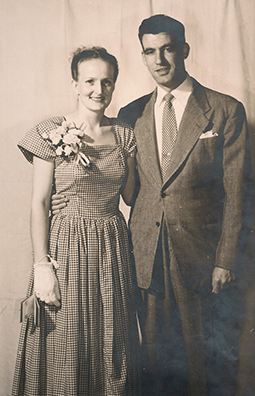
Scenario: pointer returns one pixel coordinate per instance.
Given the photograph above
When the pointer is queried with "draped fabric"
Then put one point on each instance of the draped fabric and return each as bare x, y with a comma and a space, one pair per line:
36, 39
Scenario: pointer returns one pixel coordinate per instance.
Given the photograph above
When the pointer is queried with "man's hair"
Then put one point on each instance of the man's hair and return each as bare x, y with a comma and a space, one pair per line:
162, 24
87, 53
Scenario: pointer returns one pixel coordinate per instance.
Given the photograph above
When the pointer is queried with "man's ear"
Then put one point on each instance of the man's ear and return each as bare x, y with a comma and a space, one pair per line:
144, 58
185, 50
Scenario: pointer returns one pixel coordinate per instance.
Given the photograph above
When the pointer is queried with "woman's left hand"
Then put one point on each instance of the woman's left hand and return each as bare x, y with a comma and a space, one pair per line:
46, 285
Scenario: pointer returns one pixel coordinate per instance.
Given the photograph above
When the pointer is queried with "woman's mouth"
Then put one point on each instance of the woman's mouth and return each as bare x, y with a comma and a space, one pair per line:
98, 99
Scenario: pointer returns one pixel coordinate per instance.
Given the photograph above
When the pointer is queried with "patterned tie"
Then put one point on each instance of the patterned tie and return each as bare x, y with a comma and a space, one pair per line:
169, 132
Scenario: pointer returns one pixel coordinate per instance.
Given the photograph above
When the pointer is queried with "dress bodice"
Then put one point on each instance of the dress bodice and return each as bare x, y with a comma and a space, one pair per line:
92, 192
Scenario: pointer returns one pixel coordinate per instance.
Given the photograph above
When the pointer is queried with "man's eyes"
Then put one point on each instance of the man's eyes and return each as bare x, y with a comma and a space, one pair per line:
153, 51
149, 51
168, 49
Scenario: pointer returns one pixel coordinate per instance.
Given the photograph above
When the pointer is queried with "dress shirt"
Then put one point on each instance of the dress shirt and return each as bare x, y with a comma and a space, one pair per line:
181, 95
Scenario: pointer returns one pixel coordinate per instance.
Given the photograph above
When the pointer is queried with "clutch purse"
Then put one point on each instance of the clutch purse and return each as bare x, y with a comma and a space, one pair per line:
30, 307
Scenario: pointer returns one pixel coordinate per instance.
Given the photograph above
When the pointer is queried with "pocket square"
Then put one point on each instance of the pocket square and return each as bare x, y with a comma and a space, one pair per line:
208, 134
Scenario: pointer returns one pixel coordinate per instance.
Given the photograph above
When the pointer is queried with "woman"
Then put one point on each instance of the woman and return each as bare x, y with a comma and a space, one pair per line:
86, 343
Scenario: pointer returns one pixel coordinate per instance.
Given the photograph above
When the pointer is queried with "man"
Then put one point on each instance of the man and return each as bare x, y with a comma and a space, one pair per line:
190, 220
196, 209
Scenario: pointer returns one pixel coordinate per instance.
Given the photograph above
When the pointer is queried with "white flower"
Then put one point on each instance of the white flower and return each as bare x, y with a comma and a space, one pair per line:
55, 135
59, 151
61, 130
67, 150
45, 135
67, 125
70, 138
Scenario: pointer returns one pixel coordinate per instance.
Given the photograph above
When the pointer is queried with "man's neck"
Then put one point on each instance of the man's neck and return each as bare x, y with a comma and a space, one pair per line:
176, 84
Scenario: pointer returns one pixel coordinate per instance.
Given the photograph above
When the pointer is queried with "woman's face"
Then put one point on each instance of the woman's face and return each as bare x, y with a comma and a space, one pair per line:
95, 84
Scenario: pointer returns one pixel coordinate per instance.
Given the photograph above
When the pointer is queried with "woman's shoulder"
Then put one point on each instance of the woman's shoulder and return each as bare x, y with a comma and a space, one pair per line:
49, 124
35, 141
125, 134
122, 128
120, 124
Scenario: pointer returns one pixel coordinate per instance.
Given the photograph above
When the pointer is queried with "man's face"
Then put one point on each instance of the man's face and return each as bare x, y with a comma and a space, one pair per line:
164, 59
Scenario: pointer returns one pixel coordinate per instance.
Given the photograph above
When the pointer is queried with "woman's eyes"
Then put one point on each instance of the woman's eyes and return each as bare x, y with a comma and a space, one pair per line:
105, 83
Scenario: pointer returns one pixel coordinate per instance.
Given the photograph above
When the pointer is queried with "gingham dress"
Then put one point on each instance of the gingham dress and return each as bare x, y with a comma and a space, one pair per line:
88, 346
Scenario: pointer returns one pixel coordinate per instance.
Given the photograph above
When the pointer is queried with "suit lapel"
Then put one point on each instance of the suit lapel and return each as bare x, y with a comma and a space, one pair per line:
193, 123
146, 140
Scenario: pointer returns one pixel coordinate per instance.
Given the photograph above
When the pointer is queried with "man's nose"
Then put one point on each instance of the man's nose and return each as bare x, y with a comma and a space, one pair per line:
159, 57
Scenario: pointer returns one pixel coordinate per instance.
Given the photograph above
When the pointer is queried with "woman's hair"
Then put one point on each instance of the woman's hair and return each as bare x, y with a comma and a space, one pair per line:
85, 53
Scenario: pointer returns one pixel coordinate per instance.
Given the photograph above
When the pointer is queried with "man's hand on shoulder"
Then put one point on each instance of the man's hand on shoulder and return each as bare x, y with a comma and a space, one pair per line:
58, 202
220, 278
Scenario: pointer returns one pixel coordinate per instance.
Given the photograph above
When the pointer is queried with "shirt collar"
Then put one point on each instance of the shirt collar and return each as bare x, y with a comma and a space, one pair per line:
181, 93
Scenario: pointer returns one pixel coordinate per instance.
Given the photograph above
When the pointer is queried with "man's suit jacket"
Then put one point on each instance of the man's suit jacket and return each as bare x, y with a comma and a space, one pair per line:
206, 201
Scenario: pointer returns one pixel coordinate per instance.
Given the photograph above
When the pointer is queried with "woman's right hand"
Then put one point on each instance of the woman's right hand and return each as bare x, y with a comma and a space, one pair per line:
58, 202
46, 283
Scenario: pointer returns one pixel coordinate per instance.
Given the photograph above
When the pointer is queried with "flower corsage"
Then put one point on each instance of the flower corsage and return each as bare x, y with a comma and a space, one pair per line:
68, 140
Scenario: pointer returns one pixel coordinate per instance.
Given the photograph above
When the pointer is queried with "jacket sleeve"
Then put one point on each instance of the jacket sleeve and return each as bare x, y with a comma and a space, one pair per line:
239, 190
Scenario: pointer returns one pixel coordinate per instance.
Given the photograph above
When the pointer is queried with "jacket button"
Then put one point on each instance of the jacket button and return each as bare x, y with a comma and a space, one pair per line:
163, 195
157, 224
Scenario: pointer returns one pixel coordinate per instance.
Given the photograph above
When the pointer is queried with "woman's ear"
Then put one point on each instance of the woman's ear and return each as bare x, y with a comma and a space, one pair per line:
75, 87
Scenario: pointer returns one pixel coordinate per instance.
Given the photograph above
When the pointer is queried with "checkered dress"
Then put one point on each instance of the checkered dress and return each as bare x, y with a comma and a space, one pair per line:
89, 345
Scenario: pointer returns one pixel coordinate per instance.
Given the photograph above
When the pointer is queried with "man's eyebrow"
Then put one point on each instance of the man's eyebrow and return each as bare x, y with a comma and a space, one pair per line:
169, 45
149, 49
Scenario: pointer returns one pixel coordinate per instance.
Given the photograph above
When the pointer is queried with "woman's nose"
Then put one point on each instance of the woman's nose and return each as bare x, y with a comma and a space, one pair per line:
98, 87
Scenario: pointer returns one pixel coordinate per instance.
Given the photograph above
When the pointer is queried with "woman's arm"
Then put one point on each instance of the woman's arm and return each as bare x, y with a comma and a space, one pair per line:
42, 186
45, 281
129, 188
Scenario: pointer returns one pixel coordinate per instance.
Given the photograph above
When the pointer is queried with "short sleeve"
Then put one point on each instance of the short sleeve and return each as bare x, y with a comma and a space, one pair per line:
130, 142
127, 138
34, 144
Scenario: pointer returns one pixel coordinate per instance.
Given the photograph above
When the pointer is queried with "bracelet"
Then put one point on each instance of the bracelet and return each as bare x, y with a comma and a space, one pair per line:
46, 255
47, 263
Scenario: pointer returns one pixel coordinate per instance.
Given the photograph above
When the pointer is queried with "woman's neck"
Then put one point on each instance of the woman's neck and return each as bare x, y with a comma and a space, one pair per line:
94, 120
96, 125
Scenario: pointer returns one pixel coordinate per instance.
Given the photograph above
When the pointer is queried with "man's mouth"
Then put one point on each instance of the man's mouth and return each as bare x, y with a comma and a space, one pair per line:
162, 70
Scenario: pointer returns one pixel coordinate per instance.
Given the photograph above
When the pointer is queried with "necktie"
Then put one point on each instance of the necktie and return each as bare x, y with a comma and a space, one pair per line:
169, 132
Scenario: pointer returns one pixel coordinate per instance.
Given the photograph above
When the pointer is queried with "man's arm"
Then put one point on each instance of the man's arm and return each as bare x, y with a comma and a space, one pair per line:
58, 202
128, 191
238, 201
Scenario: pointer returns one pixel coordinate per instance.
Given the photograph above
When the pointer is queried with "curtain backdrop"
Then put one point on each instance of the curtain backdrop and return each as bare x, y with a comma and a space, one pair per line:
36, 39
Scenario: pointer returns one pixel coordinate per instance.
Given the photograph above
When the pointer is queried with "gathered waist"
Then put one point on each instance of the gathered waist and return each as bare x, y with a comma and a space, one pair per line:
90, 211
